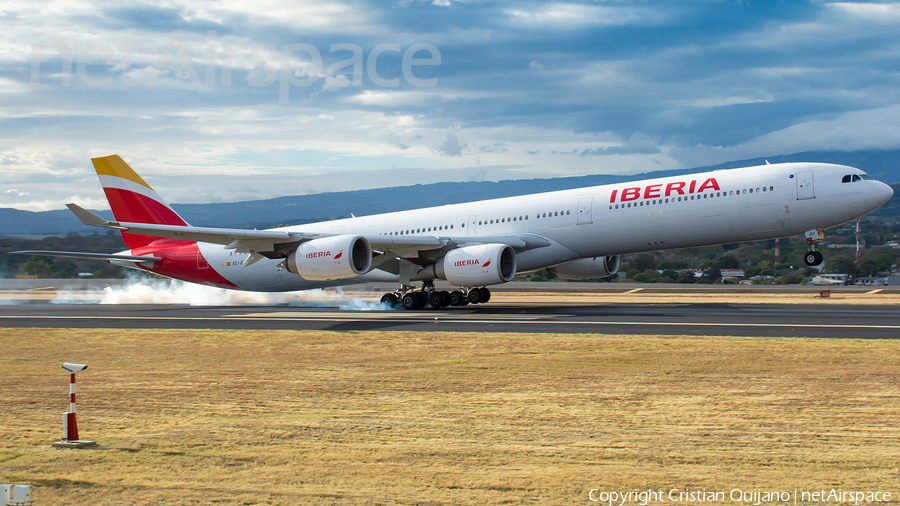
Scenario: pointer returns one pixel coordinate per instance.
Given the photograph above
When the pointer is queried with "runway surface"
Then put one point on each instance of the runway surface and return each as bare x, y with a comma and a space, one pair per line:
608, 308
774, 320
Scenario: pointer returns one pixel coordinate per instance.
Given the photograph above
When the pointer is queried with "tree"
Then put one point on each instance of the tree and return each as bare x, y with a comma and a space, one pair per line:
644, 262
686, 277
39, 266
671, 263
543, 275
712, 275
840, 264
728, 262
66, 271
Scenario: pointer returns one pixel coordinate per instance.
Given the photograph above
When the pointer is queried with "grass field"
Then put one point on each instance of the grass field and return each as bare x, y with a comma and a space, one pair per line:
291, 417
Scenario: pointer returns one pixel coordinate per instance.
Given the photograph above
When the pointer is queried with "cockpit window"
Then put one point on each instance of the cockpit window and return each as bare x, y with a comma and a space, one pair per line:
845, 179
856, 178
866, 177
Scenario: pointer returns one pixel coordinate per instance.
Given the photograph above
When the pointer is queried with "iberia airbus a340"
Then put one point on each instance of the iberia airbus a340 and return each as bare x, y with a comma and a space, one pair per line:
578, 234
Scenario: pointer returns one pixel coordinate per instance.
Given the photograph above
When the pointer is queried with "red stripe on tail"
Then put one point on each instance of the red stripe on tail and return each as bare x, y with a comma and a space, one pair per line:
133, 207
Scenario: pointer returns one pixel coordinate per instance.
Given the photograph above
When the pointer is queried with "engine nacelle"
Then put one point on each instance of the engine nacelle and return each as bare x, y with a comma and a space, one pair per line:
330, 258
485, 264
588, 268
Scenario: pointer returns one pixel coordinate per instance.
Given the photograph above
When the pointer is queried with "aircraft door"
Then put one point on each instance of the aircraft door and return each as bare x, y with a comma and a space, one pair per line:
201, 260
584, 210
471, 225
805, 189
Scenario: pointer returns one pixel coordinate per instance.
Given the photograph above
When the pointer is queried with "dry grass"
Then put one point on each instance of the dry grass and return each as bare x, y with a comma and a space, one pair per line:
284, 417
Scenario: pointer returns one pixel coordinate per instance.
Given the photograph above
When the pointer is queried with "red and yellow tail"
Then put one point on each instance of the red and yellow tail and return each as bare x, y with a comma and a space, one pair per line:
132, 199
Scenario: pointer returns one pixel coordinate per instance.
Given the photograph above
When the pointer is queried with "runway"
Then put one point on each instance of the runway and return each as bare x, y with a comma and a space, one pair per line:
606, 308
769, 320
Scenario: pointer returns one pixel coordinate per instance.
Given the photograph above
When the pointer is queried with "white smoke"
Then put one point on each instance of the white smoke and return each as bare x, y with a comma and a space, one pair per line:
144, 291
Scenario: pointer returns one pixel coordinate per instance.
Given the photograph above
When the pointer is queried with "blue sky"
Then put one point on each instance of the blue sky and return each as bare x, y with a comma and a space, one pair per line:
513, 90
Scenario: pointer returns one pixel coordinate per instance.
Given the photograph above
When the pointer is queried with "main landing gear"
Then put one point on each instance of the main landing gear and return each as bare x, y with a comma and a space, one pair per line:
813, 257
409, 298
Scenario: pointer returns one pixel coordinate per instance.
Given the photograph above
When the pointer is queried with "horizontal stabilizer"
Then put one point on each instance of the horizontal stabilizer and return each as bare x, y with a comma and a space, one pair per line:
91, 219
90, 256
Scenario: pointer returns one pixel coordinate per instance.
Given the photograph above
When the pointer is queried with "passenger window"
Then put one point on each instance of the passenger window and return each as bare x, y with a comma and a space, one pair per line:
771, 188
845, 179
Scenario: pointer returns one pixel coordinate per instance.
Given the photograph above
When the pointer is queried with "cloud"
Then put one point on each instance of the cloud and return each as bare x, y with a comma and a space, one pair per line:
522, 88
857, 130
630, 148
451, 146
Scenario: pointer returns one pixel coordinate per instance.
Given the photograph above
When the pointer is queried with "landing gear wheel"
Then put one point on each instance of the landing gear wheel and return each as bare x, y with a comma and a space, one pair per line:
410, 300
421, 300
485, 295
474, 296
390, 300
812, 258
457, 298
438, 300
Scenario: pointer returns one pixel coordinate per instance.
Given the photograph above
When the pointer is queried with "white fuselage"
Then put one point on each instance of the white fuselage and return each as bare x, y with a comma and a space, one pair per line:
719, 207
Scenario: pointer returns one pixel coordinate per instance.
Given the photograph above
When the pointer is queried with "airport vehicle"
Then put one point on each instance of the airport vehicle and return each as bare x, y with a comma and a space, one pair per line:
578, 234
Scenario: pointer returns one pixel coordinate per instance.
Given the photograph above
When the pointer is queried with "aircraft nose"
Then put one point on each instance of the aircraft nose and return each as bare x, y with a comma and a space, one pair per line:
885, 192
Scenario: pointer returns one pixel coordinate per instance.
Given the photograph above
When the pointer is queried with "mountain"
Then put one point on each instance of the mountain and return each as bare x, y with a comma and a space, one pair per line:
882, 165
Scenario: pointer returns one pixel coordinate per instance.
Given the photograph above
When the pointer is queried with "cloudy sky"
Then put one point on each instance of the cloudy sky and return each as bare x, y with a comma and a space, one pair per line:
232, 100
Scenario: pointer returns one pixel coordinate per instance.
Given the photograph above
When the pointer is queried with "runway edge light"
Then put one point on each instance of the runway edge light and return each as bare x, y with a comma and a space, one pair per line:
70, 425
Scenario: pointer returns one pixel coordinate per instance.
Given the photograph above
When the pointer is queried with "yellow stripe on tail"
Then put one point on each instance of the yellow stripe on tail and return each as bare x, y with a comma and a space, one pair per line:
113, 165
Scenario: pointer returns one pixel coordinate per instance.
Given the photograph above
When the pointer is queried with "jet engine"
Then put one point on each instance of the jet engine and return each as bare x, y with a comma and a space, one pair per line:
485, 264
330, 258
588, 268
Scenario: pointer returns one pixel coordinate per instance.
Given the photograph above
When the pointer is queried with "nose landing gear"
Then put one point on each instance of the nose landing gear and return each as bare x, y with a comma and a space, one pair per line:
813, 257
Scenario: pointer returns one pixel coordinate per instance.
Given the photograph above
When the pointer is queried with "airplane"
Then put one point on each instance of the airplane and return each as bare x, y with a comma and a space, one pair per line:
576, 234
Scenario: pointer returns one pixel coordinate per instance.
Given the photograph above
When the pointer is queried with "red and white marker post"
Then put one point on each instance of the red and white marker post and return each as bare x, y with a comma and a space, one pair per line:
70, 425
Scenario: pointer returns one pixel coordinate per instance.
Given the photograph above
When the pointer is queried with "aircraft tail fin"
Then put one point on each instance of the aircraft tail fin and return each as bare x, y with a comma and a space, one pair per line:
132, 199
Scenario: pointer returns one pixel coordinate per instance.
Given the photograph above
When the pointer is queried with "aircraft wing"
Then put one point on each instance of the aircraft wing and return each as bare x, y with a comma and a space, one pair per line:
90, 256
257, 241
244, 241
